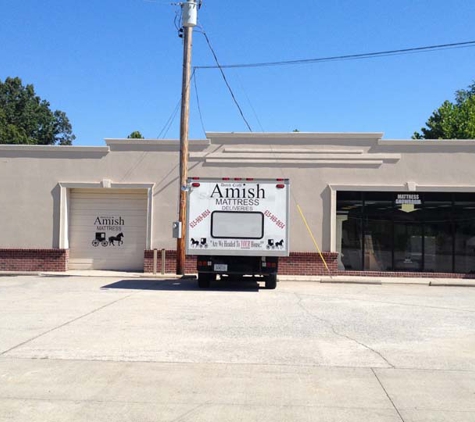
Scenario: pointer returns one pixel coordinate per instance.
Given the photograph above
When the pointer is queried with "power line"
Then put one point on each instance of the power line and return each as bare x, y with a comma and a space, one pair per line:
198, 103
218, 66
359, 56
249, 101
162, 2
170, 120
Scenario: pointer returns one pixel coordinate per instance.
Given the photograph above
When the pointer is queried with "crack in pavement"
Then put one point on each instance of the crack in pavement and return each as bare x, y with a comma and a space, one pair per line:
387, 394
190, 412
78, 318
64, 324
332, 327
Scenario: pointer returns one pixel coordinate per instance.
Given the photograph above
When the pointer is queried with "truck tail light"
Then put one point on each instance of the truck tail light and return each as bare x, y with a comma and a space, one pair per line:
204, 263
280, 186
269, 264
195, 185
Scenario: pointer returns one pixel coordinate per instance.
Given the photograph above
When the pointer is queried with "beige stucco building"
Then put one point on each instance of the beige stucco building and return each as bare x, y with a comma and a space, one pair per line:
374, 205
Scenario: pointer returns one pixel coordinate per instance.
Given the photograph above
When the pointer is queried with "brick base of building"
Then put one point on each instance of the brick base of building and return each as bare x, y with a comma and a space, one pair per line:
170, 262
403, 274
308, 263
34, 259
298, 263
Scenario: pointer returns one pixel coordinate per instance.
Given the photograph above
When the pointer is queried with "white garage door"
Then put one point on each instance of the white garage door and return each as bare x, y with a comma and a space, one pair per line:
108, 229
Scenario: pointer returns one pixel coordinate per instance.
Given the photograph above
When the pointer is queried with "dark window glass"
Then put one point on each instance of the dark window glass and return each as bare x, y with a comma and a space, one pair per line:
406, 231
464, 228
438, 239
378, 196
378, 210
349, 201
407, 238
349, 213
407, 246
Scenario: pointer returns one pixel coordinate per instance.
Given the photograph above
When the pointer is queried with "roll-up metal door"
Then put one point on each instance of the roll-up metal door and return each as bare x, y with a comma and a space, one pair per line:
108, 229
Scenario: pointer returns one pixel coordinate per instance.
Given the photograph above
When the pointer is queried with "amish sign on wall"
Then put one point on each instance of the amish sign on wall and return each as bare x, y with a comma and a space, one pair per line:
104, 225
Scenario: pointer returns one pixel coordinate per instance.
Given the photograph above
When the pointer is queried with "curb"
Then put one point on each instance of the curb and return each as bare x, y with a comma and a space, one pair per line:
357, 280
94, 274
350, 281
432, 282
451, 283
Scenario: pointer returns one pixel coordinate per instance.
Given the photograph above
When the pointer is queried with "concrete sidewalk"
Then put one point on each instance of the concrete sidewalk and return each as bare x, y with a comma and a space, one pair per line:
457, 282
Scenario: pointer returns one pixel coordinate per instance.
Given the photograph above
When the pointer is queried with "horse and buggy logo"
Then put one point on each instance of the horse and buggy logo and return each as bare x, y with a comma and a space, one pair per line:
200, 243
272, 244
104, 226
111, 241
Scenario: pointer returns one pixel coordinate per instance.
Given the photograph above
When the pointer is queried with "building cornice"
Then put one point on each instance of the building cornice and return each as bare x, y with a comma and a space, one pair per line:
294, 138
53, 148
126, 144
426, 143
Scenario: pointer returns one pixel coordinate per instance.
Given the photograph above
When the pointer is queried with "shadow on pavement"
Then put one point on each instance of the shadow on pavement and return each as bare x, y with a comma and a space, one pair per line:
185, 284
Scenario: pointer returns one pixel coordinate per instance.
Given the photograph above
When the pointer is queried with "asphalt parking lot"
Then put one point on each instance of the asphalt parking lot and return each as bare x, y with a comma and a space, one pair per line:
118, 349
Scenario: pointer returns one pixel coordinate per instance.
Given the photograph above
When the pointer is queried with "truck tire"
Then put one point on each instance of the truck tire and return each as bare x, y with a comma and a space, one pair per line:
204, 280
271, 281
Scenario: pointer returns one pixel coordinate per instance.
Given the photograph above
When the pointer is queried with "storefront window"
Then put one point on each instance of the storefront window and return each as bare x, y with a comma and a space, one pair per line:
378, 210
393, 231
407, 246
464, 222
349, 230
438, 232
408, 232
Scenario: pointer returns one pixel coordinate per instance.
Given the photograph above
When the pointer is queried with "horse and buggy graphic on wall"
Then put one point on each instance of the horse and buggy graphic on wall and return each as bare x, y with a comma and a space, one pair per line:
101, 239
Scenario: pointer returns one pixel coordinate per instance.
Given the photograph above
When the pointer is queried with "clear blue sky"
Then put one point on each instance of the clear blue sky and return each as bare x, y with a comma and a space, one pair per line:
114, 66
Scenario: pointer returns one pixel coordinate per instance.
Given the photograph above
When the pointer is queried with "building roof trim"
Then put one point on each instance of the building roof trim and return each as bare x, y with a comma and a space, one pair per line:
426, 142
152, 142
52, 148
405, 187
246, 157
270, 137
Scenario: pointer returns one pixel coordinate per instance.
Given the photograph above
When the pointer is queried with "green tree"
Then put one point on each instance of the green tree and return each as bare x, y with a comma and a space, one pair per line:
135, 135
27, 119
452, 120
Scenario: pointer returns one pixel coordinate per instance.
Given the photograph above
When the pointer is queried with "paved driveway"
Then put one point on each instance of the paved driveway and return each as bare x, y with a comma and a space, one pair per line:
111, 349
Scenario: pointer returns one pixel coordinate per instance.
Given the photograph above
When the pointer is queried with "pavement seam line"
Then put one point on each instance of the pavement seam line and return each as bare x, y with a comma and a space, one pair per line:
64, 324
270, 365
328, 323
199, 405
387, 394
441, 308
413, 305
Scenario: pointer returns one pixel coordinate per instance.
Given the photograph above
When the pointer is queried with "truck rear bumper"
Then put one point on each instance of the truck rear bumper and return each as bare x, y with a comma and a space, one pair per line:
237, 265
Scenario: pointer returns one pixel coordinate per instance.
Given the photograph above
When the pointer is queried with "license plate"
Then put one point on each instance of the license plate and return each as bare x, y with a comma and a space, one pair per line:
220, 267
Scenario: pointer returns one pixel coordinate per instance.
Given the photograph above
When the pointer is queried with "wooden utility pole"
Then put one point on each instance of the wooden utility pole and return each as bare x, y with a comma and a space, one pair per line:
189, 21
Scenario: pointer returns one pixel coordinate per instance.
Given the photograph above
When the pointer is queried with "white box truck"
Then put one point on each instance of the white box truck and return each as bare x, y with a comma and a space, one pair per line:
237, 227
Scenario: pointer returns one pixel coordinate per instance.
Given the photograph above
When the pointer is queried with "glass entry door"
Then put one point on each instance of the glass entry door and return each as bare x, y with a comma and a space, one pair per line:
408, 250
